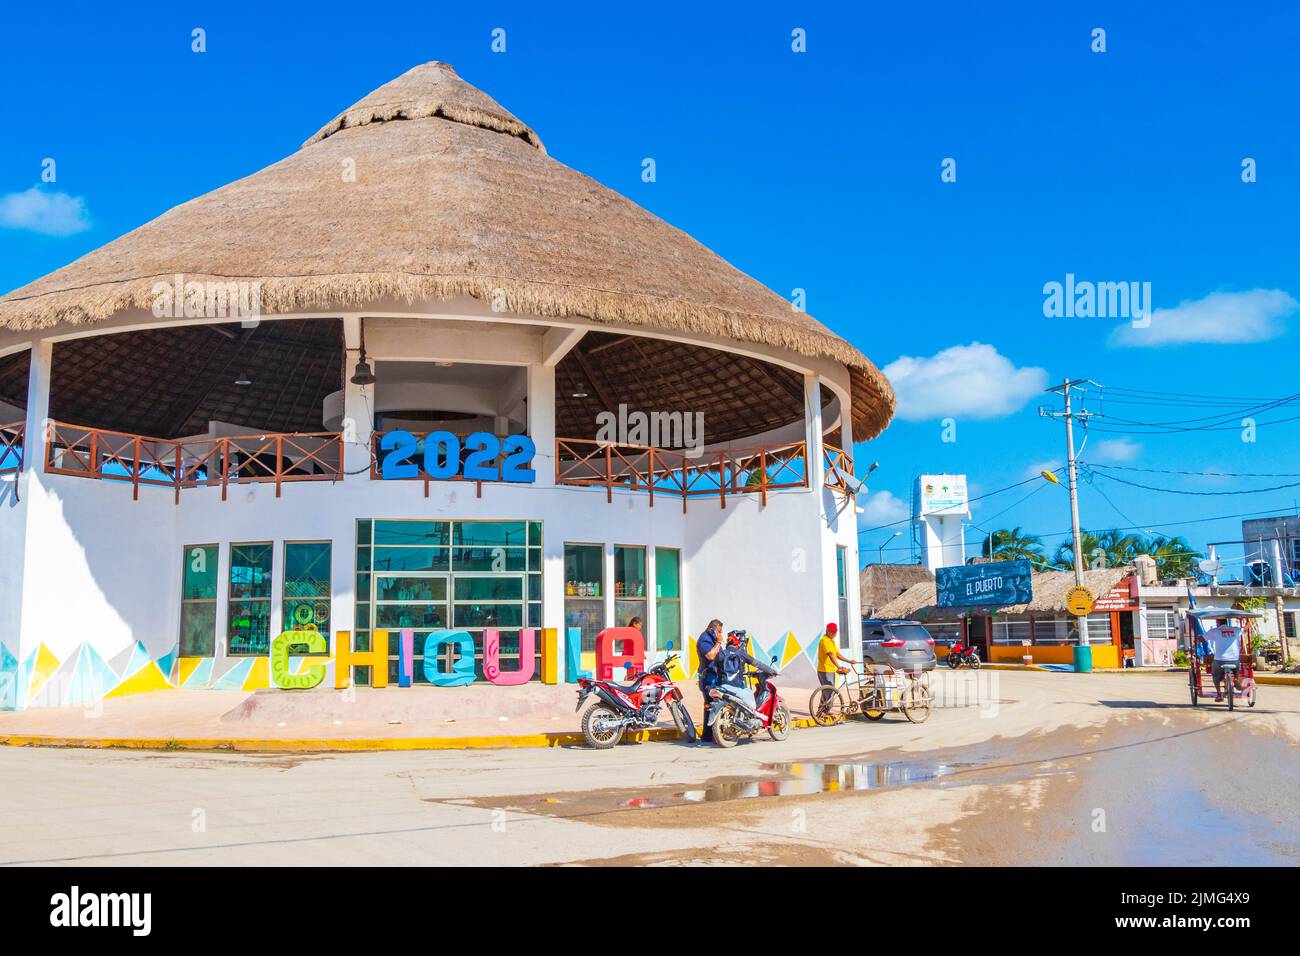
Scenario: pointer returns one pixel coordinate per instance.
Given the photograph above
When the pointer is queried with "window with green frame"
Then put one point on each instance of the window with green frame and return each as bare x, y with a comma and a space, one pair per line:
249, 624
584, 590
306, 604
668, 598
467, 575
629, 585
842, 584
199, 570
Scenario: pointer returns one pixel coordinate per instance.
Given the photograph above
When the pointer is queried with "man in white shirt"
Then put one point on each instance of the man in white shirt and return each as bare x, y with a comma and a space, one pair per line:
1225, 643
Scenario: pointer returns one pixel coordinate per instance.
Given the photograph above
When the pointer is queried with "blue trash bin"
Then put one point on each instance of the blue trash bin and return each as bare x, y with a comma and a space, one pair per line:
1082, 659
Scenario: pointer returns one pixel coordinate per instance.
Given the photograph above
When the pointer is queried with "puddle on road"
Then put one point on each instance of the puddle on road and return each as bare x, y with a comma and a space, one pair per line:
803, 778
799, 779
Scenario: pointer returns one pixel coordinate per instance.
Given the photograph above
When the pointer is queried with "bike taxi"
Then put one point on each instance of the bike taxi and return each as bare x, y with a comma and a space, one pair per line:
1239, 675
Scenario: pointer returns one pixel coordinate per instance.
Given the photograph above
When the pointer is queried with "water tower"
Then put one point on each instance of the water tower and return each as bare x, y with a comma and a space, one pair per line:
939, 511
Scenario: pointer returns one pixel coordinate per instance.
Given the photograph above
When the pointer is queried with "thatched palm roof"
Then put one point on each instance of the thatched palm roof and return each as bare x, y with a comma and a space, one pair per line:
1050, 588
878, 584
452, 196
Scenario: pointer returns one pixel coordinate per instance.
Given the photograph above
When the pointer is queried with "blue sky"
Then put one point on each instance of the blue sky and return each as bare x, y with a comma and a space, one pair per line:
816, 170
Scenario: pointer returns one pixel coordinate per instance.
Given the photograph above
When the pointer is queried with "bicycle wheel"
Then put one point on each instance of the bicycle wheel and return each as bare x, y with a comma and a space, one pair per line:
826, 706
1230, 679
915, 704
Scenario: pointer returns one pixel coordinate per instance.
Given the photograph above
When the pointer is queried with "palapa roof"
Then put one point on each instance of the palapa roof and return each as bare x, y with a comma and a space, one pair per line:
1049, 596
452, 196
880, 583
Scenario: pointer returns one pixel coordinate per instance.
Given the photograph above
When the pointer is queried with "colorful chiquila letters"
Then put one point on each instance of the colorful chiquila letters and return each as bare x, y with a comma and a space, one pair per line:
492, 658
616, 647
462, 672
311, 676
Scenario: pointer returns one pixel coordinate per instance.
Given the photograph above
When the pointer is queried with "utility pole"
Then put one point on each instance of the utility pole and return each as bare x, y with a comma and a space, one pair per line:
1069, 415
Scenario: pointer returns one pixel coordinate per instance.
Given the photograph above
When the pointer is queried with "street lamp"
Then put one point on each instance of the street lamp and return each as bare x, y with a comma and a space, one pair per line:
880, 551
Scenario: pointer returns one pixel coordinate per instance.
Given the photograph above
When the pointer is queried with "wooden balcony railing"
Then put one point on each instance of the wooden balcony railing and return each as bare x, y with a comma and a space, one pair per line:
658, 471
11, 448
839, 467
192, 462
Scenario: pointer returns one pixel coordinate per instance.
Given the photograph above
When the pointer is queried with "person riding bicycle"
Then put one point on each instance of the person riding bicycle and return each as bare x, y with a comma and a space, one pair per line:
1225, 641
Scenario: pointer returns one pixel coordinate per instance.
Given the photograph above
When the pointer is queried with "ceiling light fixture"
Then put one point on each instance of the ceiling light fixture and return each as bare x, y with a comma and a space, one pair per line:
362, 374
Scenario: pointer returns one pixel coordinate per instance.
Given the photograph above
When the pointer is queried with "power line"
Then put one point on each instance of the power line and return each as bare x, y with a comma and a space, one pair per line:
1200, 474
1199, 494
978, 497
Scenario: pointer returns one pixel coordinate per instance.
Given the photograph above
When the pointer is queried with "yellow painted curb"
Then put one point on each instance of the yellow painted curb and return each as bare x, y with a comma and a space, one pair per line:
1278, 680
316, 744
328, 744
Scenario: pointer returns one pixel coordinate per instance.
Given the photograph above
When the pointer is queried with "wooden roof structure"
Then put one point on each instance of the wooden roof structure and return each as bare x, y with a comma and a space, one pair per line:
170, 382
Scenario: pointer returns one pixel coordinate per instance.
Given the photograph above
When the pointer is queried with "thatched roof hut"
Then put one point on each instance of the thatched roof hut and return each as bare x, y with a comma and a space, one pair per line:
881, 583
452, 196
1050, 588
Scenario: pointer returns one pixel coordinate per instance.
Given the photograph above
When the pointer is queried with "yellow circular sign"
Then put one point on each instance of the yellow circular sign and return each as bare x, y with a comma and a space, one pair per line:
1079, 600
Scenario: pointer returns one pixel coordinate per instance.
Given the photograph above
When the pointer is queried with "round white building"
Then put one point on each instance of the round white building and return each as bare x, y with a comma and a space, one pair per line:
416, 377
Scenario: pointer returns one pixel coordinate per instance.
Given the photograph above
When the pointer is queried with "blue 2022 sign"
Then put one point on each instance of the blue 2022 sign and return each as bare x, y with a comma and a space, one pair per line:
443, 459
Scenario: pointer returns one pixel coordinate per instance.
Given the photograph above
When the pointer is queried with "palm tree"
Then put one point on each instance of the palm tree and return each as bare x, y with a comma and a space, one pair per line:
1012, 545
1103, 549
1175, 558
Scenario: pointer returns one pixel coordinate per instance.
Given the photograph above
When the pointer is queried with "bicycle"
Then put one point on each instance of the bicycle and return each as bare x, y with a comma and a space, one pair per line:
873, 693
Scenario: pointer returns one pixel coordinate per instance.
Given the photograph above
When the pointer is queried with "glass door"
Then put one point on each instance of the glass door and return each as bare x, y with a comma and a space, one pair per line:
414, 600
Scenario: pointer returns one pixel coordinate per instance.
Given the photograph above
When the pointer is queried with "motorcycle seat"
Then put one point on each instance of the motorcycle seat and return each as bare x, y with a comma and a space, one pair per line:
631, 688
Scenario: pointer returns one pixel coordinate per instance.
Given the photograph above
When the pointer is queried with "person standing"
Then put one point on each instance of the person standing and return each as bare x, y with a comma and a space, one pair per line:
708, 646
829, 658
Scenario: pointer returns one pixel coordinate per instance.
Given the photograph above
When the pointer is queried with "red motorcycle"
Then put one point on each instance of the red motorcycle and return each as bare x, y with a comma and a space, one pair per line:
735, 713
960, 654
636, 706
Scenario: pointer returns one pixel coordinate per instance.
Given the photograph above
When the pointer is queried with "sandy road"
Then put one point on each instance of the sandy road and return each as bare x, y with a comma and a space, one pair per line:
1033, 768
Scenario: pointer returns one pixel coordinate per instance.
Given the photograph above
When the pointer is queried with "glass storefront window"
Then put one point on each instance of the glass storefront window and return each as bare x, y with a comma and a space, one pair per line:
307, 587
584, 591
668, 598
629, 585
249, 623
467, 575
199, 600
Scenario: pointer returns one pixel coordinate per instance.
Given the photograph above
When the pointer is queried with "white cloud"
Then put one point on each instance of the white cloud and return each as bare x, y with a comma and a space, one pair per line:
965, 381
1116, 450
881, 507
1221, 318
50, 213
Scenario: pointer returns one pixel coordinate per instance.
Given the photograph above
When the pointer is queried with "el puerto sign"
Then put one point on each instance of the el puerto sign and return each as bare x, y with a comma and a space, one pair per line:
996, 583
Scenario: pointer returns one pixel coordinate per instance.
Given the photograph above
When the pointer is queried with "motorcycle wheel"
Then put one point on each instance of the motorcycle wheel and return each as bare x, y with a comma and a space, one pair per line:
952, 660
975, 662
724, 731
597, 737
682, 720
779, 729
